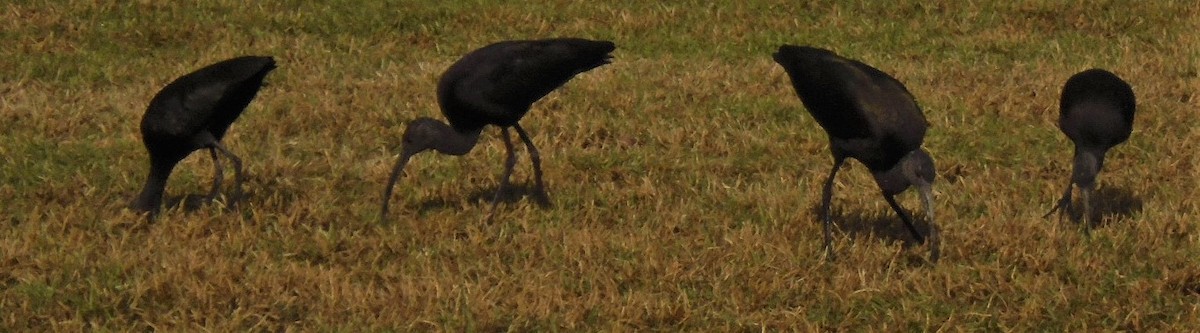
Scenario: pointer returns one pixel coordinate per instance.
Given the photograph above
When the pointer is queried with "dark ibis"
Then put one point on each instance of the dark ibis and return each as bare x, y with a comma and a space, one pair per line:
1096, 112
871, 117
194, 112
496, 85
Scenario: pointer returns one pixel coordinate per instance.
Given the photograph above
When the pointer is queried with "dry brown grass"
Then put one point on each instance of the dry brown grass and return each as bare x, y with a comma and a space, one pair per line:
684, 175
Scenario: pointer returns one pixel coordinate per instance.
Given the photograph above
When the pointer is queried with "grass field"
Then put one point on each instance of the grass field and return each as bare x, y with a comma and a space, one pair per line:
685, 175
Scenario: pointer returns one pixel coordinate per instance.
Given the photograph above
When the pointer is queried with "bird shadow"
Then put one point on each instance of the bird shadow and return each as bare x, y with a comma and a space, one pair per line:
1110, 204
879, 223
1116, 204
192, 202
513, 193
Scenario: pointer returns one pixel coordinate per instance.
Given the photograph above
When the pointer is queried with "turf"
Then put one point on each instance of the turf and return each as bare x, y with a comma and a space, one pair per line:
684, 176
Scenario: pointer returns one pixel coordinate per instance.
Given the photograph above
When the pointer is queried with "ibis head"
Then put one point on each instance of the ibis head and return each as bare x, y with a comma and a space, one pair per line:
425, 134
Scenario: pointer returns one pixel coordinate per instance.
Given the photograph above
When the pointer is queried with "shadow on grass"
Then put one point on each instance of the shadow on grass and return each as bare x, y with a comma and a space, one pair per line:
1110, 204
880, 223
1113, 204
513, 193
266, 193
192, 202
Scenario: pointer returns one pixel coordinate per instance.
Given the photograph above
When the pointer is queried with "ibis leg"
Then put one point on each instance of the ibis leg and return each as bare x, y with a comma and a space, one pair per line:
904, 216
1063, 206
238, 177
1086, 220
509, 162
542, 197
218, 175
826, 198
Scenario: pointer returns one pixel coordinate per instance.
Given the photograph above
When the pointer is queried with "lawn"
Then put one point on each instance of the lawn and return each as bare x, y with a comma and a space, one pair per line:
685, 176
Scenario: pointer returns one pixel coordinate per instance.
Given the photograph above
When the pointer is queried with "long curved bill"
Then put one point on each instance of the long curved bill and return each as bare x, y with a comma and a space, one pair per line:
396, 171
934, 240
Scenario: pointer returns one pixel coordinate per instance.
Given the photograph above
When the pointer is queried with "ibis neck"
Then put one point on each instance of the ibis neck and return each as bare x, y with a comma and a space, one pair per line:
458, 143
1086, 166
152, 193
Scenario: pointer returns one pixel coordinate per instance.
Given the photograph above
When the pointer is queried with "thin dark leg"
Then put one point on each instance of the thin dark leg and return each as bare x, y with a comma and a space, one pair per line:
1086, 220
509, 163
826, 198
542, 197
1063, 207
935, 242
218, 176
237, 170
904, 216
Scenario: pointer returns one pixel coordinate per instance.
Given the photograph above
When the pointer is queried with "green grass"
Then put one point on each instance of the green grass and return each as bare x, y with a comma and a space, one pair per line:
684, 175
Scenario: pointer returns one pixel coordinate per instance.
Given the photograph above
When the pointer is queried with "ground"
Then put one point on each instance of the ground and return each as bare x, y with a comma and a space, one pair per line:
685, 176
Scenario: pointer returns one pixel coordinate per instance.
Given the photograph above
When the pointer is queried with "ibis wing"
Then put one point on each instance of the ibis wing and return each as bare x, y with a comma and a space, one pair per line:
890, 109
203, 98
500, 81
182, 108
496, 93
529, 70
849, 99
1096, 108
867, 113
191, 102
